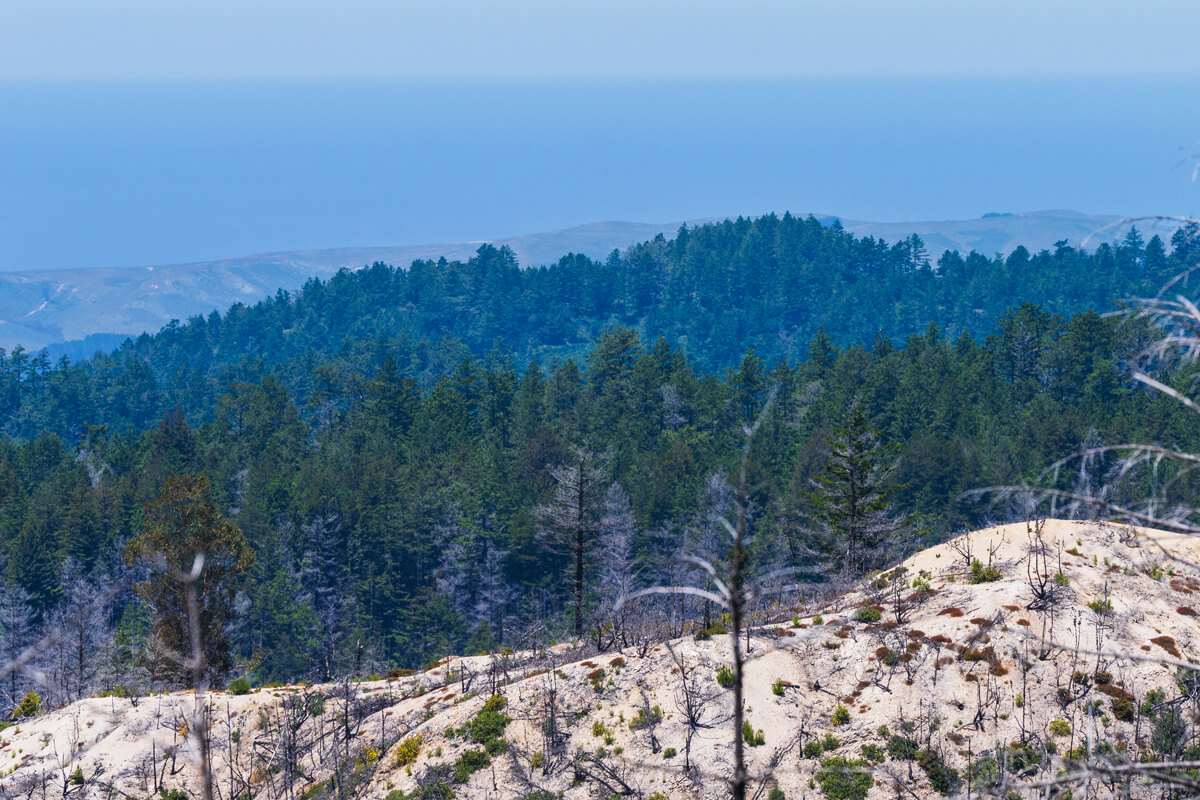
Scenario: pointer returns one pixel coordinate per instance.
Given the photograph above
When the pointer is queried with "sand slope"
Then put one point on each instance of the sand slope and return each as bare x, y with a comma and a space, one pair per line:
968, 669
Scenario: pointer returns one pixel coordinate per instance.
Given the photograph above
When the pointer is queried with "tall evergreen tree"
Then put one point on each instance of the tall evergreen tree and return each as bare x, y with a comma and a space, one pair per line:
184, 527
850, 498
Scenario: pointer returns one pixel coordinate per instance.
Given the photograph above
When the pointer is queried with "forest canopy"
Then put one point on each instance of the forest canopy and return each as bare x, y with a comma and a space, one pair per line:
391, 443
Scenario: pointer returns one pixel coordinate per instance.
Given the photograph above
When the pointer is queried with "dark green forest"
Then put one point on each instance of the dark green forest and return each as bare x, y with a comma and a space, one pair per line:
715, 292
389, 441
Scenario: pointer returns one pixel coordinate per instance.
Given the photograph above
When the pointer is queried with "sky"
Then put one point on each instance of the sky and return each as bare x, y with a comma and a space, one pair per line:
139, 132
245, 39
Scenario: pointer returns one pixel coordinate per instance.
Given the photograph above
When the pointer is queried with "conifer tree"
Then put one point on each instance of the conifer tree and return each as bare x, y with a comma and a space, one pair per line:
182, 524
851, 500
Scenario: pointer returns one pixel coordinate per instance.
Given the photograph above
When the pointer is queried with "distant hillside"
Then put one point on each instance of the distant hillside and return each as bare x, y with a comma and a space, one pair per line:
715, 291
61, 309
48, 307
1002, 232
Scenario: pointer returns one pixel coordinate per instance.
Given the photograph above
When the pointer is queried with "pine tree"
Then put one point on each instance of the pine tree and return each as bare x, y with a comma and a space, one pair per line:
851, 500
182, 524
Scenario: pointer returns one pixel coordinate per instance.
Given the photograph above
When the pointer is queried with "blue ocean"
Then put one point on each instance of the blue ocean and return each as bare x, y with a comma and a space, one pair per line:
123, 174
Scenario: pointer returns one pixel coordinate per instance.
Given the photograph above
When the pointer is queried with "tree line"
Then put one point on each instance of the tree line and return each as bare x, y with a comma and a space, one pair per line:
716, 290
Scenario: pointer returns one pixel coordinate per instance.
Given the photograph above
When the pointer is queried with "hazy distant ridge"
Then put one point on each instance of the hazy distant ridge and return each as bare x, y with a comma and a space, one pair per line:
49, 307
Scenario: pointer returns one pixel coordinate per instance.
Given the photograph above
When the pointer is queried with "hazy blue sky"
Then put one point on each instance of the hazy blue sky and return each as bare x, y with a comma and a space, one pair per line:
165, 39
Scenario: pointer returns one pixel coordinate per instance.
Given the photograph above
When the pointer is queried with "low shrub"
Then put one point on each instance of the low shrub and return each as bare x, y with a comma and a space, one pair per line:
646, 719
408, 750
841, 716
814, 748
490, 722
942, 778
868, 614
982, 574
1123, 709
725, 677
469, 763
752, 737
901, 748
711, 631
844, 779
1060, 727
873, 753
239, 687
30, 706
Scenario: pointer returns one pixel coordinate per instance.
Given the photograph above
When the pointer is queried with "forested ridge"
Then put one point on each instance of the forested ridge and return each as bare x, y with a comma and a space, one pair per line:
715, 291
389, 441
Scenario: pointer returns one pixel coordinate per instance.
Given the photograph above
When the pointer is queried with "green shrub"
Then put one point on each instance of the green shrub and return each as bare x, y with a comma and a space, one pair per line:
841, 716
750, 737
644, 719
239, 687
1061, 580
669, 752
495, 747
1123, 709
776, 794
778, 687
873, 753
983, 774
1170, 733
469, 763
725, 677
942, 778
1022, 757
31, 706
408, 750
77, 778
711, 631
1151, 701
490, 722
818, 620
1100, 606
1060, 727
868, 614
844, 779
982, 574
901, 748
815, 748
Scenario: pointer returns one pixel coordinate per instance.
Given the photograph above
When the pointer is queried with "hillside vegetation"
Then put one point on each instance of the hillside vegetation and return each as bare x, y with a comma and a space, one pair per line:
997, 663
769, 284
